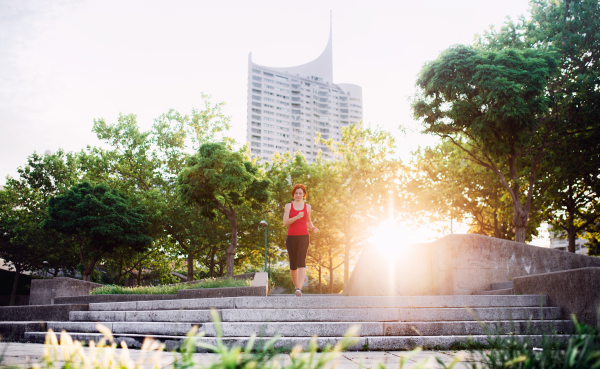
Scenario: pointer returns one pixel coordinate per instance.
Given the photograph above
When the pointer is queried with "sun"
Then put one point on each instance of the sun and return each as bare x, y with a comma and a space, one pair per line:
392, 237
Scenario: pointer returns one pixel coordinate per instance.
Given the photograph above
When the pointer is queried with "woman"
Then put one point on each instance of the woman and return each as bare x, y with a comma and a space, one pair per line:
296, 217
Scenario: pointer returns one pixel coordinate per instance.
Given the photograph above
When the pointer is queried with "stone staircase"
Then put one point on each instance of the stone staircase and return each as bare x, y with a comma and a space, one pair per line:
501, 288
385, 323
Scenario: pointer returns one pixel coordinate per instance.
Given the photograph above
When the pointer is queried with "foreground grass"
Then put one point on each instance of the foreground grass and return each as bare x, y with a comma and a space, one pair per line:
172, 288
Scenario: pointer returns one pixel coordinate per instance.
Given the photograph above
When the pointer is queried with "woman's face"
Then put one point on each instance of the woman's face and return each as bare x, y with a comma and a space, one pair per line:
298, 194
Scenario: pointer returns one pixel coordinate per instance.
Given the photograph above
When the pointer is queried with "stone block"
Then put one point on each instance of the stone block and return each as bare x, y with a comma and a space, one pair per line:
188, 304
462, 328
222, 292
114, 306
462, 314
575, 291
322, 302
15, 331
39, 312
92, 299
193, 316
455, 265
97, 316
45, 291
478, 301
310, 315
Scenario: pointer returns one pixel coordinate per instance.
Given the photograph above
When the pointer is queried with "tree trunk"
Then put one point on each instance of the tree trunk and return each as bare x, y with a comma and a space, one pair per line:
211, 265
190, 267
520, 219
571, 229
330, 272
346, 260
232, 246
13, 295
120, 274
496, 229
320, 284
88, 272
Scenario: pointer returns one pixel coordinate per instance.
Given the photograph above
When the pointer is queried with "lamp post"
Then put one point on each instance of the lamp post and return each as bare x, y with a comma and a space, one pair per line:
45, 263
264, 224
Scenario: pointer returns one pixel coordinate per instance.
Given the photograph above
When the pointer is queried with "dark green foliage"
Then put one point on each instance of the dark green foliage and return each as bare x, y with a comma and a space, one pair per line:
101, 219
219, 180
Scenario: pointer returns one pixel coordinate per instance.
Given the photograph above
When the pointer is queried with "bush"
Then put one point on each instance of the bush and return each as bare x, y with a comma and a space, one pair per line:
170, 289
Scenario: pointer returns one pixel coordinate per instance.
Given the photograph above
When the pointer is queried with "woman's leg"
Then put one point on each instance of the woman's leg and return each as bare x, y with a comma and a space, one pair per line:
291, 245
303, 243
294, 274
300, 276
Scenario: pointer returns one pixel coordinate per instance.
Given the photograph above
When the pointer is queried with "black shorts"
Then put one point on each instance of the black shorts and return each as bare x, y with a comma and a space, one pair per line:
297, 247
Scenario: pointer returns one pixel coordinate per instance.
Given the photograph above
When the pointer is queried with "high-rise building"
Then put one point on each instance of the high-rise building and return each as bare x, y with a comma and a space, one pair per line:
287, 107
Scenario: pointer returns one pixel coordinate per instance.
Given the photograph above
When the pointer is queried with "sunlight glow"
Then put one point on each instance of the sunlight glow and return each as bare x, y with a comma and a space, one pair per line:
393, 236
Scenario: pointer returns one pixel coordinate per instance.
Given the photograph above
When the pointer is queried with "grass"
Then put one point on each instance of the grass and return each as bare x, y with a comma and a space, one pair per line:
170, 289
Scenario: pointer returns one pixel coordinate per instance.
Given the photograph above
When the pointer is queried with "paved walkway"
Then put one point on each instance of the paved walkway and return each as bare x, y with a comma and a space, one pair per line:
26, 354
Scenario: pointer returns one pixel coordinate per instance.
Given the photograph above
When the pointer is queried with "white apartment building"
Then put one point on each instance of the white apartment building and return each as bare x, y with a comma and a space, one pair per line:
287, 107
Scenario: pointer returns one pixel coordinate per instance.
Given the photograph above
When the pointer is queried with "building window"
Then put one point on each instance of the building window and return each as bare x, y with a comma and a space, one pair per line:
267, 118
256, 117
281, 89
283, 96
282, 78
256, 138
255, 151
268, 112
255, 71
283, 84
256, 124
268, 98
269, 80
254, 97
255, 78
256, 91
283, 109
256, 104
269, 132
254, 130
255, 144
269, 93
282, 115
257, 85
269, 138
268, 74
267, 145
269, 106
267, 86
257, 111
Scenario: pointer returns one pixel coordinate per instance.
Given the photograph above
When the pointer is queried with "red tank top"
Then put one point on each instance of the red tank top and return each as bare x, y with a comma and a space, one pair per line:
299, 227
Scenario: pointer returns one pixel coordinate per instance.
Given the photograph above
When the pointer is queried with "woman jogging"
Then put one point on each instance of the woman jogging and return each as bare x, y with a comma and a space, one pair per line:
296, 217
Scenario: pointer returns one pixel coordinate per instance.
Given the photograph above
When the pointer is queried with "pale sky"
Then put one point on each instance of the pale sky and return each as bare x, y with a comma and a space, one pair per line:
64, 63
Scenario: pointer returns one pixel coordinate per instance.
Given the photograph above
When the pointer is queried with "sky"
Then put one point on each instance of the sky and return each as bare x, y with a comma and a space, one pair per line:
65, 63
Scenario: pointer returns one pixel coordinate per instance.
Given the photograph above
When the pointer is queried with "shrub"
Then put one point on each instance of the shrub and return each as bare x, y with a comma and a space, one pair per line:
170, 289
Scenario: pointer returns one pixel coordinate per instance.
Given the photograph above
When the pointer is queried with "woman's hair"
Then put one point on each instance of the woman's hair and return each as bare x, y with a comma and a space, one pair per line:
301, 186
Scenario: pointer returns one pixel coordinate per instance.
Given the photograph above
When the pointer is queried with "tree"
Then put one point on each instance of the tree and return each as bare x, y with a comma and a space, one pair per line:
100, 219
493, 105
23, 203
219, 179
146, 165
568, 28
445, 186
367, 175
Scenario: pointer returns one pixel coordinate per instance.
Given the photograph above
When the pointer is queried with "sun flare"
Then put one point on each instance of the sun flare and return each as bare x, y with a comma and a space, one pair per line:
393, 236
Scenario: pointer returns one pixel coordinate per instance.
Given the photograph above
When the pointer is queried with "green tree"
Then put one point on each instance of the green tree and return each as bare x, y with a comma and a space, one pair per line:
570, 29
493, 105
100, 219
23, 204
367, 174
219, 179
146, 165
446, 187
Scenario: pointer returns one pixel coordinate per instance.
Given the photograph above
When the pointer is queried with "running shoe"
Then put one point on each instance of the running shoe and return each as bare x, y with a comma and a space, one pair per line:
298, 293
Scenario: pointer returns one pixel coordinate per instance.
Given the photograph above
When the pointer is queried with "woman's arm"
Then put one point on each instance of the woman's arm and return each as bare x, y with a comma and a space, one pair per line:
310, 223
287, 221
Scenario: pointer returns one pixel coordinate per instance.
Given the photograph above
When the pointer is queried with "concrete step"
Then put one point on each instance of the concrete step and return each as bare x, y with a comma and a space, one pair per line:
362, 343
502, 285
483, 314
241, 315
508, 291
321, 315
325, 302
326, 329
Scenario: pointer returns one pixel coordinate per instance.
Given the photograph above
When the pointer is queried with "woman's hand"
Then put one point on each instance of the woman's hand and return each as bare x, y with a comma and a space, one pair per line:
315, 229
300, 215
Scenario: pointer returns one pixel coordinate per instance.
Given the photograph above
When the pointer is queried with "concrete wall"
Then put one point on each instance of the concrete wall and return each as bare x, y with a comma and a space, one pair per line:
43, 291
454, 265
576, 291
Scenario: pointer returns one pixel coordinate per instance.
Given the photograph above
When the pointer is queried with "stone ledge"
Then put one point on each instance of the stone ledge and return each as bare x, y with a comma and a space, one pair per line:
576, 291
39, 312
15, 331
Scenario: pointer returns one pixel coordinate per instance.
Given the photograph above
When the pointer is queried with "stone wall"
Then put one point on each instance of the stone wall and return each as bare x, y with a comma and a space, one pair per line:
576, 291
43, 291
454, 265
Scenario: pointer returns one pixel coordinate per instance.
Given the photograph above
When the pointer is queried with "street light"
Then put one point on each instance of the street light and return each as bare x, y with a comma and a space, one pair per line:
264, 224
45, 269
